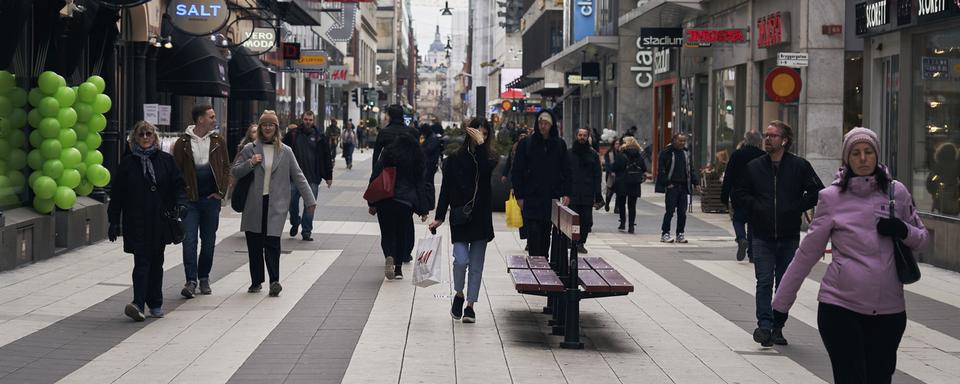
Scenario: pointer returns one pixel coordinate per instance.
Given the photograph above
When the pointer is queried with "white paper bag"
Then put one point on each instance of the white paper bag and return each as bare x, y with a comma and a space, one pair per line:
427, 265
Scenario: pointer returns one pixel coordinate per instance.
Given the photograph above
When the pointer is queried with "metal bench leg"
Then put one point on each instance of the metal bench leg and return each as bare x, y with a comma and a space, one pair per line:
571, 335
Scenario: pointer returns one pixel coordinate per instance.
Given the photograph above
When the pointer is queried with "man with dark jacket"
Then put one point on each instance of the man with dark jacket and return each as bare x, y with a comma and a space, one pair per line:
585, 188
432, 144
201, 155
310, 148
676, 178
777, 188
541, 173
735, 171
333, 137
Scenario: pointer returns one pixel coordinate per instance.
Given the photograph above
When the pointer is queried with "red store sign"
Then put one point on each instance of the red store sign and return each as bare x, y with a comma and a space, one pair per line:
715, 36
773, 29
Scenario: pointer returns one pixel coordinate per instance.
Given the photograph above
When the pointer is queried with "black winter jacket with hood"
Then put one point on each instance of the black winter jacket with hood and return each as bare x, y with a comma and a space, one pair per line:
585, 176
541, 172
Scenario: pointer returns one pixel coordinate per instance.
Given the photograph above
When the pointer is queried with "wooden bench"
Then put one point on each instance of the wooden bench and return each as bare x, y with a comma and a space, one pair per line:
533, 275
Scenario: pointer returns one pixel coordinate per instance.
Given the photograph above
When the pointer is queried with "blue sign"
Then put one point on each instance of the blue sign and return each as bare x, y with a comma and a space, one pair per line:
584, 19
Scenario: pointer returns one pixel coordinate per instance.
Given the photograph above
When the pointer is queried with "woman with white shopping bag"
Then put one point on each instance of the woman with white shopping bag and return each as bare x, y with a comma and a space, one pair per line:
465, 190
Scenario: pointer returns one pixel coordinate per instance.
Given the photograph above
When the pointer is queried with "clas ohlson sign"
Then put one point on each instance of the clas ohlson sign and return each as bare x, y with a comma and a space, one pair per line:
584, 18
198, 17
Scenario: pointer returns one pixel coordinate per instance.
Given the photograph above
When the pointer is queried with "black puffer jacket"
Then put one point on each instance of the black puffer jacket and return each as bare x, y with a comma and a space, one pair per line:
139, 205
541, 173
460, 175
777, 199
404, 153
736, 168
586, 175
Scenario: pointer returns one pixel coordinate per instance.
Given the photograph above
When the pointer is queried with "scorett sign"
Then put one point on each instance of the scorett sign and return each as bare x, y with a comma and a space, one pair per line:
198, 17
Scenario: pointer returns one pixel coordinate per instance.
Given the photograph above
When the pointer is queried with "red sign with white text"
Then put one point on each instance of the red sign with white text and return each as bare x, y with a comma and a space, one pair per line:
715, 36
770, 30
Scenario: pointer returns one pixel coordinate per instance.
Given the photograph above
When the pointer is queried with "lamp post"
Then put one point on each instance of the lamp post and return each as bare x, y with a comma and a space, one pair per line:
446, 11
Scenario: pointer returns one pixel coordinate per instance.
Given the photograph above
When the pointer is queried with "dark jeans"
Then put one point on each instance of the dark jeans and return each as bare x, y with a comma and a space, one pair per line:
743, 229
676, 201
627, 205
203, 216
538, 236
348, 154
307, 220
148, 278
770, 260
862, 348
260, 248
586, 220
396, 230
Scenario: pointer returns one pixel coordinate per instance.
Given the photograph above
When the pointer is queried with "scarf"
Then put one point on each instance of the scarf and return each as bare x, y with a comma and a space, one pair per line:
144, 155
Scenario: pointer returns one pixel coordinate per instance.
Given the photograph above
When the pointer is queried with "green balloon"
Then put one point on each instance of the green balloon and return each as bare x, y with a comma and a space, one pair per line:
98, 175
93, 158
5, 106
70, 179
5, 127
35, 160
18, 96
16, 159
53, 168
3, 166
66, 96
82, 168
82, 130
17, 139
4, 148
61, 81
84, 189
5, 184
49, 107
98, 82
48, 82
84, 111
93, 140
68, 138
67, 117
70, 157
18, 118
33, 177
97, 122
49, 128
87, 92
102, 103
50, 149
16, 178
43, 205
65, 197
7, 81
35, 138
44, 187
34, 118
82, 147
35, 96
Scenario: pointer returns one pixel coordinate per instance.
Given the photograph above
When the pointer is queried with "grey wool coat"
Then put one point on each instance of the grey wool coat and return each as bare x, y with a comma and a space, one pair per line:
285, 173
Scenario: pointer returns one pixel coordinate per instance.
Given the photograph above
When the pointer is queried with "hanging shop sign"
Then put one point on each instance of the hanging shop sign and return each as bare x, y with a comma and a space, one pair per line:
793, 59
773, 29
643, 70
313, 59
590, 71
783, 85
661, 37
260, 40
198, 17
661, 61
583, 19
710, 36
337, 76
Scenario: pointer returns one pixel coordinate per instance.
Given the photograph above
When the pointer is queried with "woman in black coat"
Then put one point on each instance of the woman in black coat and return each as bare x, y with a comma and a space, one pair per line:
148, 194
466, 187
629, 172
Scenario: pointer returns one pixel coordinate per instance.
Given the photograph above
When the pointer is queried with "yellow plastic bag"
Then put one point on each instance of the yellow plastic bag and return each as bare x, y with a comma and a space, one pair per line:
514, 219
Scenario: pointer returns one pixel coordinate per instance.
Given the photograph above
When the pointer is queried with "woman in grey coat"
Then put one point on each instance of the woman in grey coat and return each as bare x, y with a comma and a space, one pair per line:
268, 200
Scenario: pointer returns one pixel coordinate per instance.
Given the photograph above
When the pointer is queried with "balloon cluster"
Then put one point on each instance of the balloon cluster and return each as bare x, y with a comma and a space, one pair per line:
13, 158
67, 123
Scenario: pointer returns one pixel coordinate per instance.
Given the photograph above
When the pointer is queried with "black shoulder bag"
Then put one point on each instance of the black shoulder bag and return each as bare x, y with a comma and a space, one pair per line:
240, 191
462, 215
907, 269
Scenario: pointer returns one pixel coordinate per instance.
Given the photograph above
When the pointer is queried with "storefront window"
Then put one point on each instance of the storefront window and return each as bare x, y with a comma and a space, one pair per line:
725, 124
936, 122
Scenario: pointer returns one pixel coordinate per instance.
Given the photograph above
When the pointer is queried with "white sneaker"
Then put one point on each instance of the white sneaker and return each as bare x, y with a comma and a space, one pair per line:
681, 239
665, 238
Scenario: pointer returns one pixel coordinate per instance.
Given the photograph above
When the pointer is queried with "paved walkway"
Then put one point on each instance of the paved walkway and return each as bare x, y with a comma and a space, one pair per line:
337, 320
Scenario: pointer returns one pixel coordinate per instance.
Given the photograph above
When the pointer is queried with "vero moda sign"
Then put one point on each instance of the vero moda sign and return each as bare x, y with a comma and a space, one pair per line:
584, 19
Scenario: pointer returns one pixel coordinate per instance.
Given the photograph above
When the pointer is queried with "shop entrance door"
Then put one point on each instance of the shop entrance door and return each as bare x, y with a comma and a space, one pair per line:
662, 118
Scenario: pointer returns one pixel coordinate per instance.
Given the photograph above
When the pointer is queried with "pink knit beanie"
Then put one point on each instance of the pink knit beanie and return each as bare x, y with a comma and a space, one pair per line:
859, 135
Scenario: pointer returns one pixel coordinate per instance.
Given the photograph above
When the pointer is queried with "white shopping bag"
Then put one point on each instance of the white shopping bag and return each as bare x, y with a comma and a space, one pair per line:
427, 264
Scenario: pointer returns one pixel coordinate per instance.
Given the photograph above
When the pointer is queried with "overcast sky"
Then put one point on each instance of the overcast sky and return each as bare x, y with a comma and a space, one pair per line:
426, 17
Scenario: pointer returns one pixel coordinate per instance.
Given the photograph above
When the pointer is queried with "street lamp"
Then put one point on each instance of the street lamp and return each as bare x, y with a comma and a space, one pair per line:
446, 11
448, 47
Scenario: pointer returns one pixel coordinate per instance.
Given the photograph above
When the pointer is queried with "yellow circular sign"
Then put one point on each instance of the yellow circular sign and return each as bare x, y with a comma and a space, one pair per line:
783, 84
506, 105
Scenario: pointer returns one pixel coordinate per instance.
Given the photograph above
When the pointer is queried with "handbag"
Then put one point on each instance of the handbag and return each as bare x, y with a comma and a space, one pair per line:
908, 271
382, 187
239, 196
462, 215
173, 232
514, 216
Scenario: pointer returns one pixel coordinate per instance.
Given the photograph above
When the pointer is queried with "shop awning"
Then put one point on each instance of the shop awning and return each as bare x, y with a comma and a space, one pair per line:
573, 55
523, 81
249, 78
193, 67
294, 12
659, 13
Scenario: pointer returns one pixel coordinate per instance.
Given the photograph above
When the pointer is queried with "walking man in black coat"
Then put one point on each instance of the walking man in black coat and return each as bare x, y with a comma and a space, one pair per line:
585, 190
736, 169
541, 173
676, 178
310, 147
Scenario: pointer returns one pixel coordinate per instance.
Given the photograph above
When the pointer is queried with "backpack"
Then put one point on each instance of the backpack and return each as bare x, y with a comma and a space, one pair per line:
635, 172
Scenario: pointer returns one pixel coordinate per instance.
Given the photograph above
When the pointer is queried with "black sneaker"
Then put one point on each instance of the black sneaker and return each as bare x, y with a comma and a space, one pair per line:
134, 312
205, 287
581, 248
468, 315
398, 273
741, 249
189, 290
777, 337
621, 228
307, 237
275, 288
456, 310
764, 337
293, 230
254, 288
630, 230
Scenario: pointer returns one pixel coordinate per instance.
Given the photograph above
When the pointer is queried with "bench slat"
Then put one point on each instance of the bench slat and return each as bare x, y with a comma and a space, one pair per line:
538, 262
597, 263
615, 280
516, 262
549, 282
524, 280
592, 282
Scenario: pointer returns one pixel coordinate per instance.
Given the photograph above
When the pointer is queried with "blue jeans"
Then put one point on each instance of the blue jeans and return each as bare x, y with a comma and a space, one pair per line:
469, 255
770, 260
743, 229
348, 153
203, 217
676, 201
307, 220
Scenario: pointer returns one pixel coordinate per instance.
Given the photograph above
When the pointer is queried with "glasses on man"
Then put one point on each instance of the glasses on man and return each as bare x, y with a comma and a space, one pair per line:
771, 136
146, 134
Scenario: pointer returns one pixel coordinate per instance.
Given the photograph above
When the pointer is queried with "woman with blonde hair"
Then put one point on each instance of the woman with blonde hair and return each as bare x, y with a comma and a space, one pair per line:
148, 192
629, 173
275, 170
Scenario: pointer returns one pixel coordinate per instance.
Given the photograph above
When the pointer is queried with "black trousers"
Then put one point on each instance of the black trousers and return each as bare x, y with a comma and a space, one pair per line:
538, 237
627, 207
396, 230
862, 348
148, 277
263, 249
586, 220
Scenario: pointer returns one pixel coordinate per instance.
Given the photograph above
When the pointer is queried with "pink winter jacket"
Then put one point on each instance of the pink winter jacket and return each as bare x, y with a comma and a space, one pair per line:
862, 276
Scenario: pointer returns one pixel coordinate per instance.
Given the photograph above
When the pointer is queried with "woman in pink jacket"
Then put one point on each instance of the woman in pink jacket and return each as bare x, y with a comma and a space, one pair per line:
862, 315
